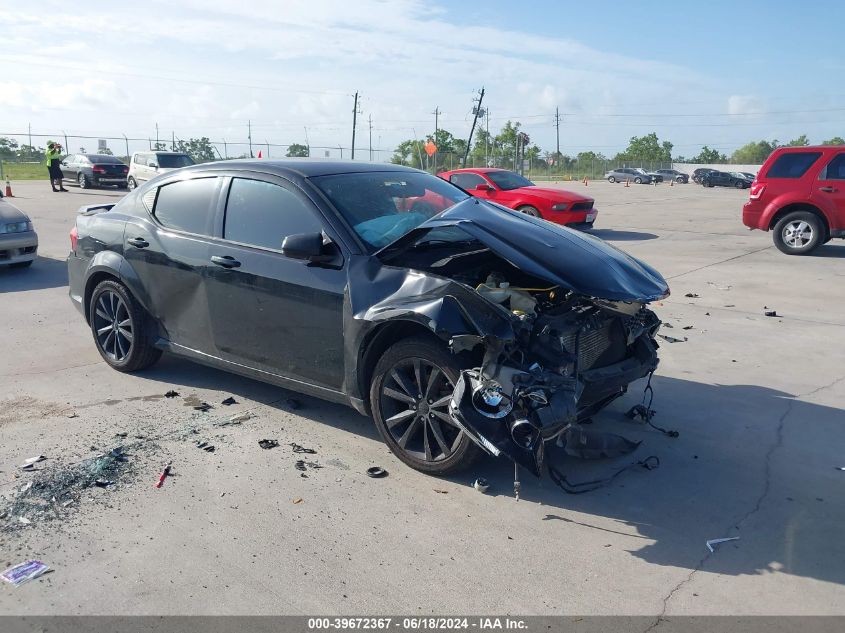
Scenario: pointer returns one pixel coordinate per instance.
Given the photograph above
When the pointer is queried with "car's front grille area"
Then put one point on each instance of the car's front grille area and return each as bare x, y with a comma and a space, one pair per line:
599, 348
582, 206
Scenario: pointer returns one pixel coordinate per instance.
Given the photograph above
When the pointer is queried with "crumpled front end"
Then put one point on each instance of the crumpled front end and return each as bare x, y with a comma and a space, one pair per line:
572, 356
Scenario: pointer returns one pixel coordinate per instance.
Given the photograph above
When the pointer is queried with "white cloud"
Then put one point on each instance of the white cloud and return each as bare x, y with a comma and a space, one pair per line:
745, 104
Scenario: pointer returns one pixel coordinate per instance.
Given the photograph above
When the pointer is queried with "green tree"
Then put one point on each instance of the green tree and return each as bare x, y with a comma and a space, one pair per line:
408, 153
648, 147
106, 151
30, 153
159, 147
297, 150
708, 156
801, 141
836, 140
8, 147
200, 149
753, 153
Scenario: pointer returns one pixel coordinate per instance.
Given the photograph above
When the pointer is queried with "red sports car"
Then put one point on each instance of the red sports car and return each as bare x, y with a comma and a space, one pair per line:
515, 192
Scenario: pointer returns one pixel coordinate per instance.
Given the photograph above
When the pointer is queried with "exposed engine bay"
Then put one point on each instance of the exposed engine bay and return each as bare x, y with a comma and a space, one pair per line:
570, 355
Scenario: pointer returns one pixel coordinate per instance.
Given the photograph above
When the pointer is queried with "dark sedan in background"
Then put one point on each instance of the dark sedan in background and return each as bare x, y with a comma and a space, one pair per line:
673, 174
463, 328
725, 179
95, 170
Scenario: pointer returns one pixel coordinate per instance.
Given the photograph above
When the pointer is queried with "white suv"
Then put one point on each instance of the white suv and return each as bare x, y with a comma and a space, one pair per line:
146, 165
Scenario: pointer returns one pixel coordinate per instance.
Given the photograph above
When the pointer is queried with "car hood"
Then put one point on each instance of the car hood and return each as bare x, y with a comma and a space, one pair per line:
549, 193
10, 213
571, 259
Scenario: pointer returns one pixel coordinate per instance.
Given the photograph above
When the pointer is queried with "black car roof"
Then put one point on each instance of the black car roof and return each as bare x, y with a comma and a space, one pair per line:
303, 167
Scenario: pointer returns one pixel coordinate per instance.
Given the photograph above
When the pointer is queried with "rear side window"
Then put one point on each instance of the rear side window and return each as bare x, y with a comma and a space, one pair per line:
263, 214
466, 181
140, 159
186, 205
835, 169
792, 164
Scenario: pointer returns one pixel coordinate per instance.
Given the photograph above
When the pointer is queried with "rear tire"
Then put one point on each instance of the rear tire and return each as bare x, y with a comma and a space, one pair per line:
798, 233
679, 180
638, 180
410, 392
529, 210
83, 181
611, 179
131, 184
123, 332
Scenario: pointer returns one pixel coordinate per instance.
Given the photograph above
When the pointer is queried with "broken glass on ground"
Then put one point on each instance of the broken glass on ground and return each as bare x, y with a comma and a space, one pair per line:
24, 572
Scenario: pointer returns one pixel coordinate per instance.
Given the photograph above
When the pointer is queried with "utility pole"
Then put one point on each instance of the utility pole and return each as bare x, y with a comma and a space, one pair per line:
477, 110
29, 131
436, 114
226, 149
156, 135
354, 123
172, 140
557, 126
371, 137
125, 140
249, 136
487, 142
307, 144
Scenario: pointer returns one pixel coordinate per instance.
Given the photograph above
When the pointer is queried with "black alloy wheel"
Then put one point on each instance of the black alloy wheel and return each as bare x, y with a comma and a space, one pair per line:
410, 395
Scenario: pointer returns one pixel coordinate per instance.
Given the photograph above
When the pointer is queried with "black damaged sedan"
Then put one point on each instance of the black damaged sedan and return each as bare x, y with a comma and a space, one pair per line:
460, 326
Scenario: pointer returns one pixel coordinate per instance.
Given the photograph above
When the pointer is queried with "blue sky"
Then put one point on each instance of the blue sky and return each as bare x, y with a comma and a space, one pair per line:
716, 73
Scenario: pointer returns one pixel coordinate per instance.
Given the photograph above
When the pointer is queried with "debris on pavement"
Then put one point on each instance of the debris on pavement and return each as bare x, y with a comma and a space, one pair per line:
164, 474
688, 327
298, 500
376, 472
103, 483
268, 444
481, 485
652, 462
203, 407
590, 444
209, 448
440, 492
718, 286
716, 541
24, 520
672, 339
229, 401
691, 295
73, 415
33, 460
771, 313
28, 467
171, 394
301, 449
302, 465
236, 419
24, 572
293, 403
669, 325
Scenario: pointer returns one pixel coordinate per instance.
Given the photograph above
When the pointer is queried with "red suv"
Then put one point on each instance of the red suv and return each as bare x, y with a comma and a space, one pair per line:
799, 194
515, 192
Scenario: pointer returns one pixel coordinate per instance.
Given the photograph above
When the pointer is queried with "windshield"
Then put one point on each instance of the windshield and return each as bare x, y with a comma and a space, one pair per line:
174, 161
506, 180
383, 206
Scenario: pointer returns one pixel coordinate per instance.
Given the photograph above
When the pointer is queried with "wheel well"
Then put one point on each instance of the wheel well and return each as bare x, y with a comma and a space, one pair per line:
790, 208
92, 282
376, 344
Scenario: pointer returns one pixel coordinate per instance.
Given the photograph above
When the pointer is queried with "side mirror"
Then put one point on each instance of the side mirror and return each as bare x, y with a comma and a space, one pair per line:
483, 187
154, 166
307, 246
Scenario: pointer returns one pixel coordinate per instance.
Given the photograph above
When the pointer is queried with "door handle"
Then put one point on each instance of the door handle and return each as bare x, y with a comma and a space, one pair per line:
138, 242
828, 189
226, 261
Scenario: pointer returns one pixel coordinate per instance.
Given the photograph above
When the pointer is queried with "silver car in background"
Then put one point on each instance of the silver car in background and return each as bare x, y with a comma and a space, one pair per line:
18, 240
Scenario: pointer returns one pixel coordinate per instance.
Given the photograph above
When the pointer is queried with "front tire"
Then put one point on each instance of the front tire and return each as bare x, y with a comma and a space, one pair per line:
410, 393
611, 179
679, 180
83, 181
798, 233
529, 210
123, 332
638, 180
131, 184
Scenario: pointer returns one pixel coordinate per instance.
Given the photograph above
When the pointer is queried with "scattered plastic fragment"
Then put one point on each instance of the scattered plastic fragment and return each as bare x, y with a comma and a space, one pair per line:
24, 572
209, 449
688, 327
33, 460
440, 492
716, 541
203, 407
24, 520
164, 474
201, 443
300, 465
73, 415
730, 305
672, 339
229, 401
719, 287
589, 444
376, 472
481, 485
691, 295
121, 435
669, 325
293, 403
171, 394
103, 483
297, 500
301, 449
28, 467
771, 313
268, 444
240, 417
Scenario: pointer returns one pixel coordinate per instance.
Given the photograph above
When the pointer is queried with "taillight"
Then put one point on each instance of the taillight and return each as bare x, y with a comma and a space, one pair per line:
756, 190
74, 238
99, 170
125, 170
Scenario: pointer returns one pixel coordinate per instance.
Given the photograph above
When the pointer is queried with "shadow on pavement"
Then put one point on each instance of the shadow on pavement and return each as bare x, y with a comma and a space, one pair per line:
750, 461
829, 250
43, 273
621, 236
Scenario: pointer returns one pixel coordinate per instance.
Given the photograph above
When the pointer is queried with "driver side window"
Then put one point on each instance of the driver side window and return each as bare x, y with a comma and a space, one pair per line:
467, 182
263, 214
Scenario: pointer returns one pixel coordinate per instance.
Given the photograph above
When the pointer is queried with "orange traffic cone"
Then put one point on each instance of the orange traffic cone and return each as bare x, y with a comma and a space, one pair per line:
8, 189
259, 154
585, 181
626, 182
672, 182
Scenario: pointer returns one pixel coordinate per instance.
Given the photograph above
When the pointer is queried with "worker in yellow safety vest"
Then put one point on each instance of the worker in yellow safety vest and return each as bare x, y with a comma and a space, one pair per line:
54, 159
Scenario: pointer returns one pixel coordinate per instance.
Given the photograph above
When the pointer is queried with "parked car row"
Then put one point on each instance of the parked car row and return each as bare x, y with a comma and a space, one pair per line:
105, 170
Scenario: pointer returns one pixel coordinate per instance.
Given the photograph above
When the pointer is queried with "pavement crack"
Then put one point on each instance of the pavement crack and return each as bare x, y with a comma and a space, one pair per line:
729, 259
